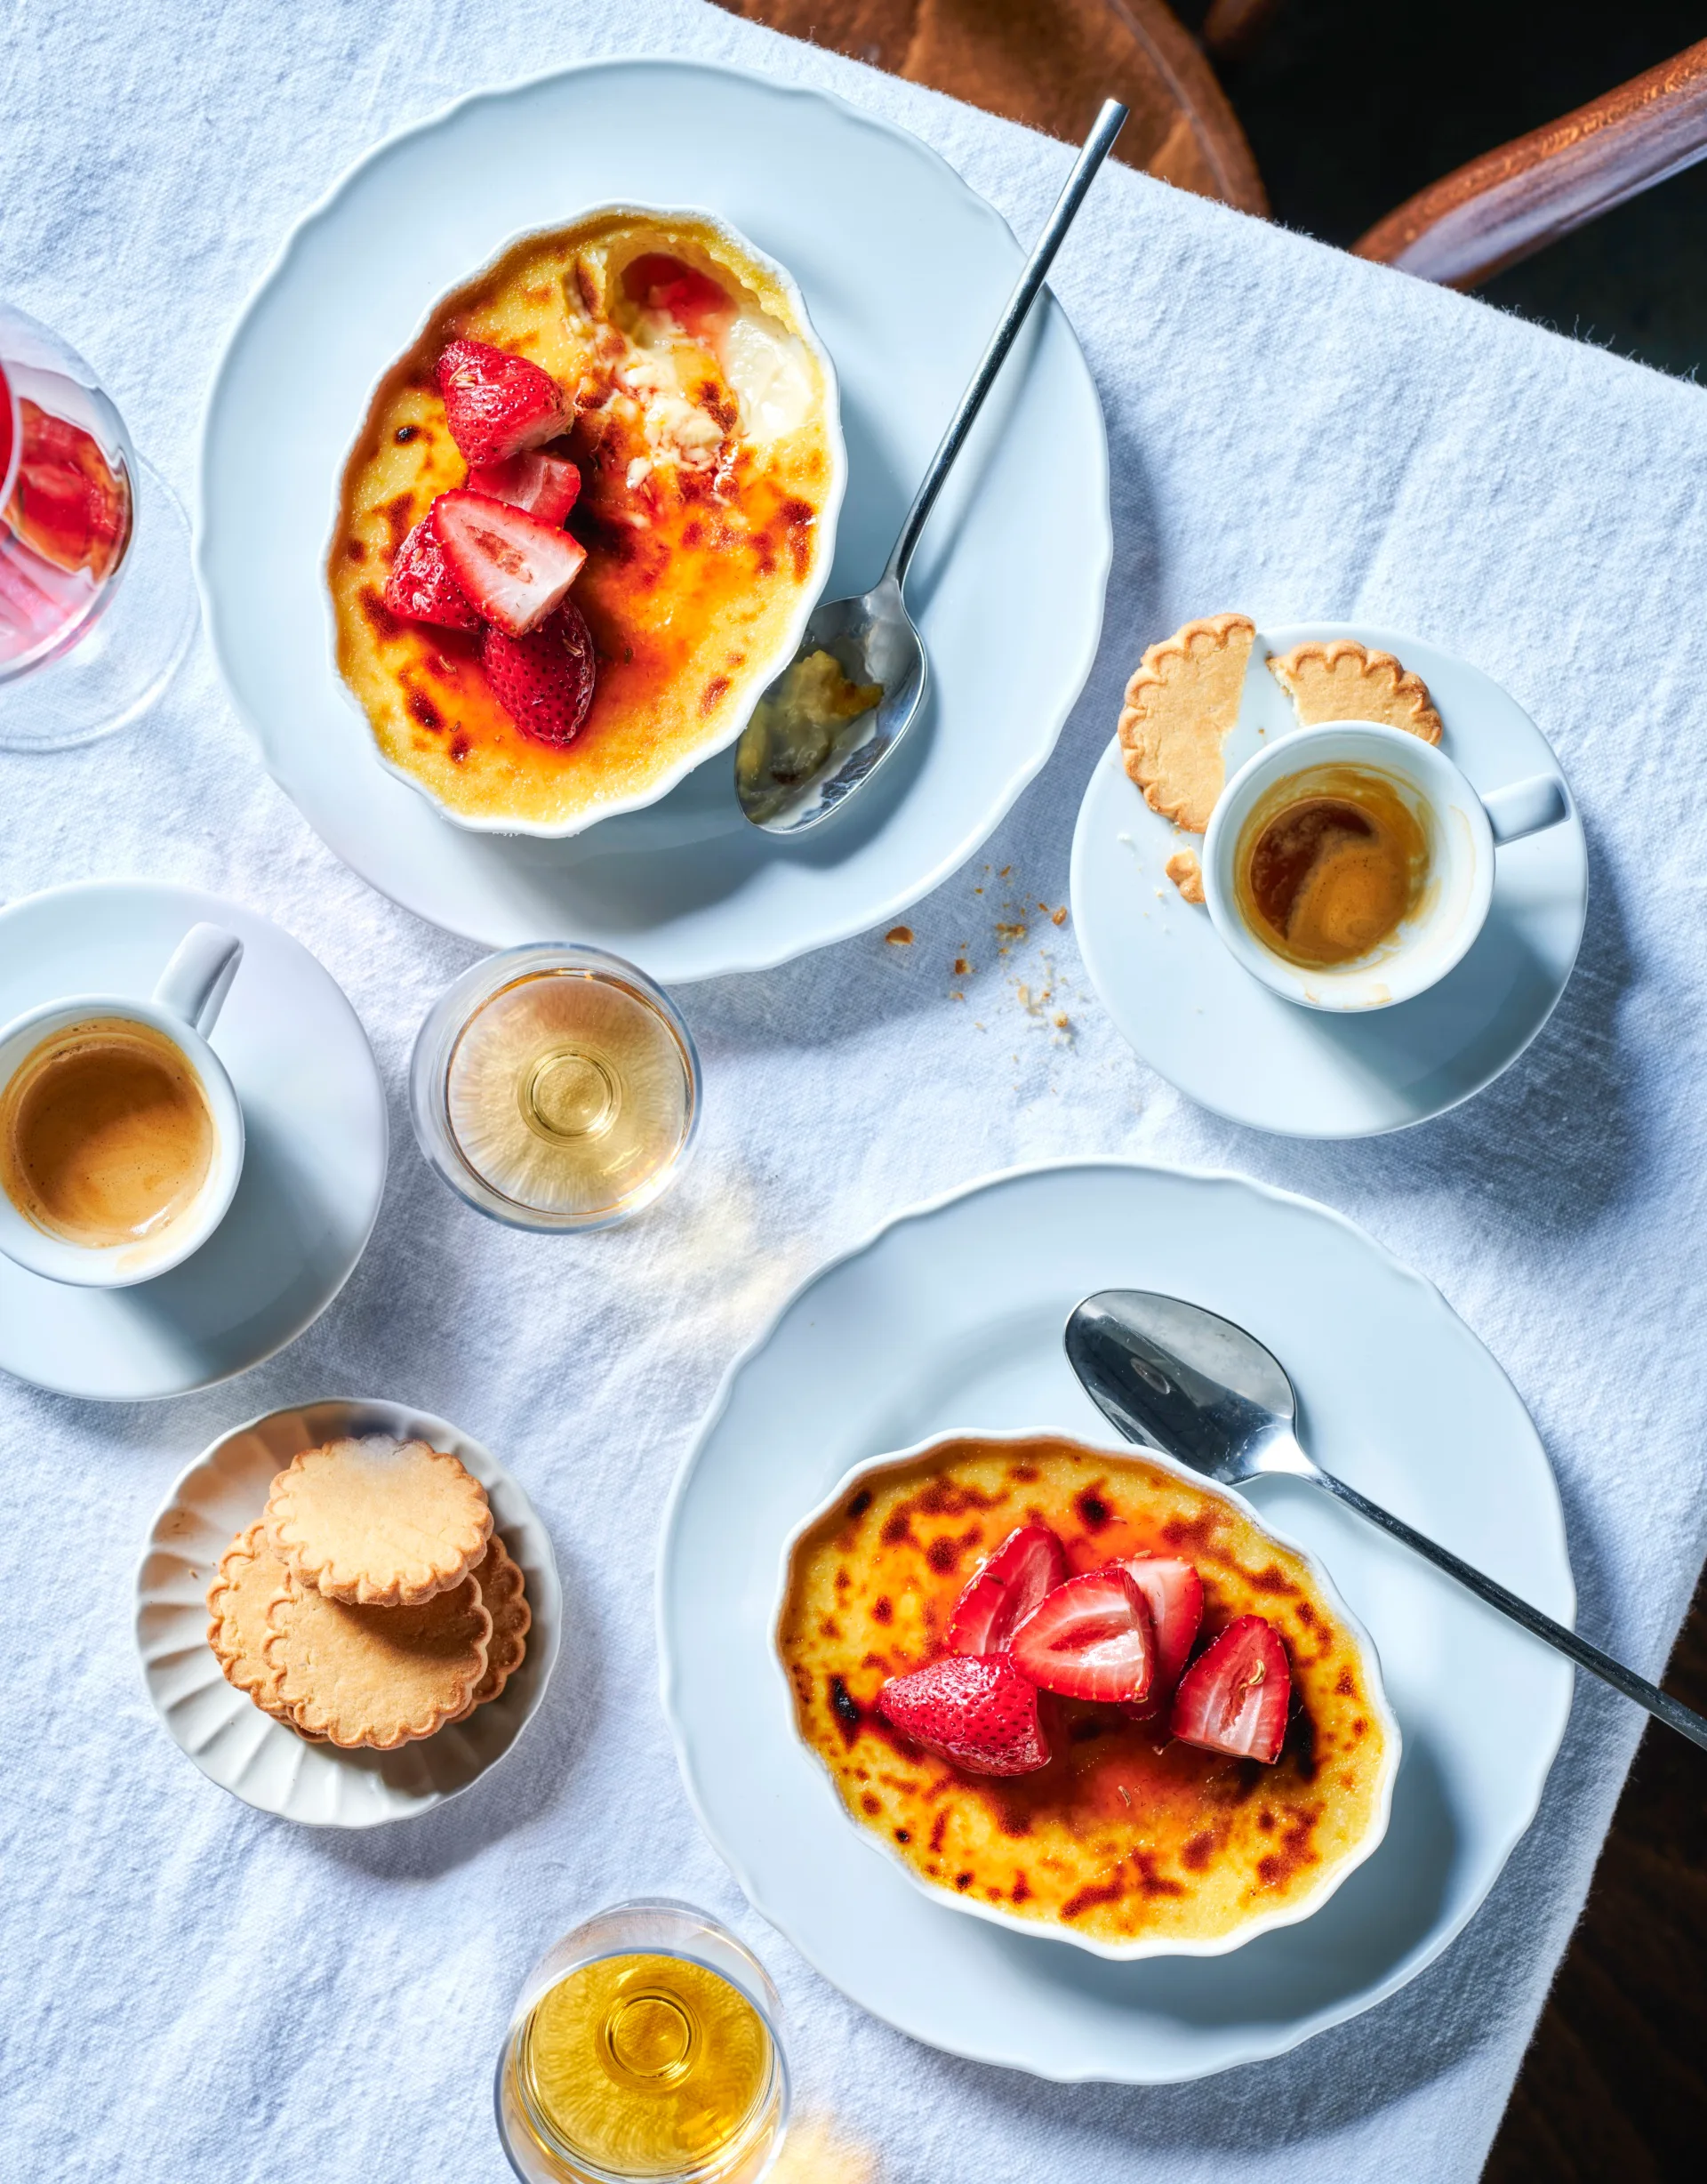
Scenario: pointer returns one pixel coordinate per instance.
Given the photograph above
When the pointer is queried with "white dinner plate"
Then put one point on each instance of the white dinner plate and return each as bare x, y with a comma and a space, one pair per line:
1206, 1024
905, 271
221, 1729
314, 1160
951, 1316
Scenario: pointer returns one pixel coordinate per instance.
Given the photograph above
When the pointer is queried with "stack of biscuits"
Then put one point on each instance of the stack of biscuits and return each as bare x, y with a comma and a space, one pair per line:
372, 1603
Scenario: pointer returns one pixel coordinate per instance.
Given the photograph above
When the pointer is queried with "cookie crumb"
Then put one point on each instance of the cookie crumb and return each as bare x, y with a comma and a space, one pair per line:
900, 936
1186, 873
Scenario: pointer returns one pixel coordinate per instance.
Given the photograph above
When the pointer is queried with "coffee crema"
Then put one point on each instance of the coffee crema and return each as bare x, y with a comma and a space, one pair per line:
106, 1136
1330, 864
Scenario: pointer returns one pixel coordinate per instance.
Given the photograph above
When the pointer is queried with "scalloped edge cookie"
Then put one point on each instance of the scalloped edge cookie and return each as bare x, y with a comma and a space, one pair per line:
1181, 703
249, 1578
377, 1678
1343, 681
503, 1592
378, 1523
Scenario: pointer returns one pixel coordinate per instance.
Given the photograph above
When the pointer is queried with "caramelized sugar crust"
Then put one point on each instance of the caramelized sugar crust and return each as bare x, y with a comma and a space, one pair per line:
692, 573
1126, 1835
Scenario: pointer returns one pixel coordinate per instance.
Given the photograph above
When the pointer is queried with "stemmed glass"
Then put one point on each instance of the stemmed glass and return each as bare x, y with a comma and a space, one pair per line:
97, 603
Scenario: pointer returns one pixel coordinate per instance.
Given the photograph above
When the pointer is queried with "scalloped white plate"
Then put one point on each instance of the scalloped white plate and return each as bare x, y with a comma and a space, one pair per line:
1123, 1952
221, 1730
951, 1315
904, 270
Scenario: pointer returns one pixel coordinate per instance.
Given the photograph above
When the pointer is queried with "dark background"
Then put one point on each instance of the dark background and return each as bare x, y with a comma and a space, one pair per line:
1352, 105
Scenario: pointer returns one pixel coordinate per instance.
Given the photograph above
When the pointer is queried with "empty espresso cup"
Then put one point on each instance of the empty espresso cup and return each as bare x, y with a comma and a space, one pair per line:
121, 1136
1452, 833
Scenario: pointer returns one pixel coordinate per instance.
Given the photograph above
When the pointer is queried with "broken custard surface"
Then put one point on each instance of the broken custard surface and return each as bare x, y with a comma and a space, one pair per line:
1127, 1838
704, 431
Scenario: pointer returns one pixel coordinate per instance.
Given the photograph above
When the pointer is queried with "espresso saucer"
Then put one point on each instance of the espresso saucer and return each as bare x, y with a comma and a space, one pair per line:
1198, 1019
314, 1167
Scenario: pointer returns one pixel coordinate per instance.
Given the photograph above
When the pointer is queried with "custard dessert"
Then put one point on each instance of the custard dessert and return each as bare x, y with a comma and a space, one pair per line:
1084, 1693
585, 520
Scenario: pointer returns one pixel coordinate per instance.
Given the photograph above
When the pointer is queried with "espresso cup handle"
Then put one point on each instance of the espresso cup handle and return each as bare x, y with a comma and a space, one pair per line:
196, 982
1525, 807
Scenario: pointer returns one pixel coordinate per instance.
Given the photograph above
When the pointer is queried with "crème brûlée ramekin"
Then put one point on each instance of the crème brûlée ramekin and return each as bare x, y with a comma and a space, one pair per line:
1129, 1843
712, 471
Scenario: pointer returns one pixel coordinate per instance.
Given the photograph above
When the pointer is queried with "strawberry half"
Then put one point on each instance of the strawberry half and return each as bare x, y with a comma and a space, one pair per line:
546, 485
1028, 1563
1173, 1592
544, 680
974, 1709
1235, 1696
421, 587
495, 403
1091, 1638
514, 568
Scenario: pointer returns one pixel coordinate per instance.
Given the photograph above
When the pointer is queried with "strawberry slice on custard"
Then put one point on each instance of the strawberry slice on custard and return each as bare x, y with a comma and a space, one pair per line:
421, 587
544, 680
1235, 1696
497, 403
1090, 1638
976, 1710
513, 568
546, 485
1028, 1563
1173, 1592
657, 282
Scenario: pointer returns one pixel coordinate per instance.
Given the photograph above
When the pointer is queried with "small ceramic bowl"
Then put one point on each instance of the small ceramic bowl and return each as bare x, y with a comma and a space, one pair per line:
1289, 1914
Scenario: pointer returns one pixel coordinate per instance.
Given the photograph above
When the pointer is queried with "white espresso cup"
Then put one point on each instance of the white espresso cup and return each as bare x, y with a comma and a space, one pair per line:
1462, 830
182, 1010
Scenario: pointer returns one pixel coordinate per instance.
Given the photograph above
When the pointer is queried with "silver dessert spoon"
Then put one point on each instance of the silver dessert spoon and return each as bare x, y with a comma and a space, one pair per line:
786, 785
1183, 1380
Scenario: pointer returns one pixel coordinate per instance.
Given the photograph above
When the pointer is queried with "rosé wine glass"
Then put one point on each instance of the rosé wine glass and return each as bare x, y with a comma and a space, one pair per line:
97, 603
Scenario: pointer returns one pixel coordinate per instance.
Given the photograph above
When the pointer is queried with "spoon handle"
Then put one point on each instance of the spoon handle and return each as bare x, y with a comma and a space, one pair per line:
1097, 148
1681, 1718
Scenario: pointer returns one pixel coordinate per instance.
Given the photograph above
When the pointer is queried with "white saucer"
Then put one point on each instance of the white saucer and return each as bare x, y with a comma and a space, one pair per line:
1226, 1041
905, 271
314, 1113
951, 1317
221, 1729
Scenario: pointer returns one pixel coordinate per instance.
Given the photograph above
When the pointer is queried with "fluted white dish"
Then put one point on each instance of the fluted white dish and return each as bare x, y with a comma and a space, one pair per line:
221, 1729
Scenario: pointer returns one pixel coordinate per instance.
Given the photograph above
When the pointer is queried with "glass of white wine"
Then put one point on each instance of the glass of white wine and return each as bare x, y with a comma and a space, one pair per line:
554, 1088
643, 2045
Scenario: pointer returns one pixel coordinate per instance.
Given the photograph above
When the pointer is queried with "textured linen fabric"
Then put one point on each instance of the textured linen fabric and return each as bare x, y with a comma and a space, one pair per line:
192, 1993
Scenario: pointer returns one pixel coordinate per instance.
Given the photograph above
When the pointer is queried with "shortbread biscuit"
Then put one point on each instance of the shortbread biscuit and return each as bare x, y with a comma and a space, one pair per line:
250, 1577
378, 1523
1181, 703
503, 1592
1186, 873
376, 1676
1343, 681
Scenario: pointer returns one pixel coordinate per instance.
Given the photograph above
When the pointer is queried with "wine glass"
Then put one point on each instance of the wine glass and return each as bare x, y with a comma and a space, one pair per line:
97, 603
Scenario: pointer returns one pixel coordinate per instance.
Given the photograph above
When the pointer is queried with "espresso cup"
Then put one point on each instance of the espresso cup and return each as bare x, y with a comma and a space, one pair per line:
181, 1013
1463, 831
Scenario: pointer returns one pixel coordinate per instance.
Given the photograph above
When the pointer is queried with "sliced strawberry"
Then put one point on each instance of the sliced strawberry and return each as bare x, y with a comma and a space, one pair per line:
66, 500
546, 485
976, 1710
1173, 1592
658, 282
1234, 1697
1091, 1638
496, 402
1028, 1563
513, 567
544, 681
421, 587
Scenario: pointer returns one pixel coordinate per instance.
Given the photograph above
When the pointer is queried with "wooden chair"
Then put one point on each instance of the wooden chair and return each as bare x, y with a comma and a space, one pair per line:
1051, 62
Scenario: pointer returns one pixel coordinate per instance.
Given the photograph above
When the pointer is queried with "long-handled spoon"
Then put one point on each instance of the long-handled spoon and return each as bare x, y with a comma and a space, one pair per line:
791, 772
1187, 1381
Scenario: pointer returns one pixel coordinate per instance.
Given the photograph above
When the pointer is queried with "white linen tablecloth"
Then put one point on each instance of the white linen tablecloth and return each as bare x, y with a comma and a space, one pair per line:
193, 1993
